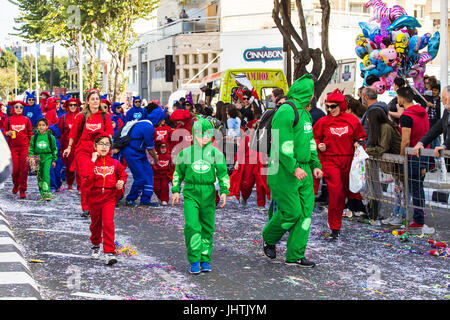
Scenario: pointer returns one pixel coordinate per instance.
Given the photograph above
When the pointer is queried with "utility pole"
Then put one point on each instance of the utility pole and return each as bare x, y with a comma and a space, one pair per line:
15, 80
52, 68
36, 70
80, 66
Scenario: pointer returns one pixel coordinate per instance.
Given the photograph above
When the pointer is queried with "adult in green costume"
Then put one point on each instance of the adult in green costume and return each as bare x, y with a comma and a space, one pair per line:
43, 144
292, 184
198, 165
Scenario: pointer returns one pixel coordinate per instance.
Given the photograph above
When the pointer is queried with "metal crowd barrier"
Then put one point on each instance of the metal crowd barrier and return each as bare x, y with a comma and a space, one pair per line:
411, 183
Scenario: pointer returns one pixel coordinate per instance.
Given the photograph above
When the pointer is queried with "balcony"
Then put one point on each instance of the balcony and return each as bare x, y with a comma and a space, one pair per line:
182, 26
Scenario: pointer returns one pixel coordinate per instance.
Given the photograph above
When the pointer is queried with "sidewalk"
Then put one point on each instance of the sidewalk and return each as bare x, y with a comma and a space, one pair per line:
16, 279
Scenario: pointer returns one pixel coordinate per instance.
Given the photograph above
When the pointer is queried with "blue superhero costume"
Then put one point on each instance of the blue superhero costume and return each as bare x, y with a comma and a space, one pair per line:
136, 113
61, 111
33, 112
56, 172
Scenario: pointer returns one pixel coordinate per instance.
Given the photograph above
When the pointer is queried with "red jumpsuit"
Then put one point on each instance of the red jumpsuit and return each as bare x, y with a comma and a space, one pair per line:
163, 134
19, 147
249, 173
103, 195
84, 146
182, 135
162, 175
65, 125
339, 135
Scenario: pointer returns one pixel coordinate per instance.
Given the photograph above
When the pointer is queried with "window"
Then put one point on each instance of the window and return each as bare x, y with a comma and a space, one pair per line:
419, 12
186, 58
214, 55
186, 73
215, 70
177, 74
358, 8
205, 72
205, 58
195, 58
177, 60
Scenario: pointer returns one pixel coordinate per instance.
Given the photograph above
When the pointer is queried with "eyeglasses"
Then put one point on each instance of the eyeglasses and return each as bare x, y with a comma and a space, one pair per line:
104, 144
332, 106
18, 107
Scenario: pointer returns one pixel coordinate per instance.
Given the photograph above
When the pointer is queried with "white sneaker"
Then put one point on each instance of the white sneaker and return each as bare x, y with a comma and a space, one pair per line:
164, 203
261, 208
110, 259
388, 220
95, 252
359, 213
396, 221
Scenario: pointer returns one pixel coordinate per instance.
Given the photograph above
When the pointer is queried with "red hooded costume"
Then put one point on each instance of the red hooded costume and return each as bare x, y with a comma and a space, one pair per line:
100, 183
21, 125
182, 135
339, 134
50, 111
162, 173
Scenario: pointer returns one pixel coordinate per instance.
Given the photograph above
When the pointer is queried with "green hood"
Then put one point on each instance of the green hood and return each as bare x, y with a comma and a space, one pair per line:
202, 127
302, 90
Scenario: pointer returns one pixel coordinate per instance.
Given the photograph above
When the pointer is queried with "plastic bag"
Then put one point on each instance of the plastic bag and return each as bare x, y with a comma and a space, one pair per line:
358, 170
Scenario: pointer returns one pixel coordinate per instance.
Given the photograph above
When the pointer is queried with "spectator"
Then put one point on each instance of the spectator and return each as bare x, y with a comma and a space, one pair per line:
395, 110
276, 93
183, 14
355, 107
414, 125
370, 99
209, 93
246, 110
234, 124
360, 94
385, 138
441, 127
168, 20
434, 109
429, 83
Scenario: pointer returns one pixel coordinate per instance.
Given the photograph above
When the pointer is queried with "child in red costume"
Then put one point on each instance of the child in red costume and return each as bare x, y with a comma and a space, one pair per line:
65, 125
18, 132
337, 136
247, 172
163, 134
87, 125
105, 184
50, 111
162, 173
182, 135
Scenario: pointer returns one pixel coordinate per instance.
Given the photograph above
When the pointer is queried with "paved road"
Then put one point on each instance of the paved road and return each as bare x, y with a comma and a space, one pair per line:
366, 263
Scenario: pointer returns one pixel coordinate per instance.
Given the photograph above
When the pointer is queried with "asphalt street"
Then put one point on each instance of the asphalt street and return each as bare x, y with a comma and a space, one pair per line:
367, 262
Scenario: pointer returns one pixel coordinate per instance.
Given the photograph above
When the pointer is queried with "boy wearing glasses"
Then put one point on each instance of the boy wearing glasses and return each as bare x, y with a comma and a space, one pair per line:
18, 131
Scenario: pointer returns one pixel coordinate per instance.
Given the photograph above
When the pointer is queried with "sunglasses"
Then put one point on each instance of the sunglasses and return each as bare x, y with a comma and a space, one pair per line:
18, 107
119, 107
73, 105
332, 106
245, 98
30, 99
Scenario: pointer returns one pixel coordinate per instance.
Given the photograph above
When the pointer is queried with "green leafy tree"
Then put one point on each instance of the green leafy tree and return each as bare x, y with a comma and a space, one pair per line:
6, 83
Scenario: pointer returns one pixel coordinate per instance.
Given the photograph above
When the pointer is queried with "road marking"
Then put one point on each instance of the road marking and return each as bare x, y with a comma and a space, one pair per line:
8, 240
5, 228
4, 219
17, 278
67, 255
13, 257
96, 296
60, 231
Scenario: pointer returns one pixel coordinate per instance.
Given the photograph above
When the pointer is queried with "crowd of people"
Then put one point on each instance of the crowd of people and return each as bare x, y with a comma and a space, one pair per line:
93, 143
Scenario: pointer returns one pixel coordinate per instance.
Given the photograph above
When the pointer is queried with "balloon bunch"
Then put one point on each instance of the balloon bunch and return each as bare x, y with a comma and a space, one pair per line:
392, 48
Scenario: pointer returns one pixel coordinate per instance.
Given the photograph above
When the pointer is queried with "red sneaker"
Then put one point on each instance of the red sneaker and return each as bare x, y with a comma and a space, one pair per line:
15, 190
22, 195
415, 225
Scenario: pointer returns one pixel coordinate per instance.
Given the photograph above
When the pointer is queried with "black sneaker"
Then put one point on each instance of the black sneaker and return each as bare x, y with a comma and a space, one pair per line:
95, 252
269, 250
334, 234
85, 214
305, 263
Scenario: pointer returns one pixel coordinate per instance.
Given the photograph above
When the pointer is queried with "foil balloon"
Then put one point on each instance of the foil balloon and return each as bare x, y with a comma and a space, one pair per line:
380, 11
433, 45
369, 30
361, 52
401, 43
389, 56
404, 21
379, 86
360, 40
424, 40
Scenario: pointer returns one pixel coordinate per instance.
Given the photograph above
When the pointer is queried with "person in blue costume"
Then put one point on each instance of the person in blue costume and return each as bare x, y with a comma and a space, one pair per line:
136, 112
135, 155
33, 111
117, 116
56, 177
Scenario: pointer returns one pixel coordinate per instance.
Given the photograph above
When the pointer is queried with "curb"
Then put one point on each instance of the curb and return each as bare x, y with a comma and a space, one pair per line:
16, 278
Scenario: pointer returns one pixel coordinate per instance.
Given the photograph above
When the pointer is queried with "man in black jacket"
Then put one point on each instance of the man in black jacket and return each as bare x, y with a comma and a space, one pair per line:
441, 127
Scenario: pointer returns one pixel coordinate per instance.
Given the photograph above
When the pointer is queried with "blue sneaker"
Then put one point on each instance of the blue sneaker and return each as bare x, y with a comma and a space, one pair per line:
205, 267
149, 204
195, 267
131, 203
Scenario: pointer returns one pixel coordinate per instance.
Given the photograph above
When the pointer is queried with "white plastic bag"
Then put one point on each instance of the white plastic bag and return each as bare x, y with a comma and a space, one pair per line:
358, 170
5, 160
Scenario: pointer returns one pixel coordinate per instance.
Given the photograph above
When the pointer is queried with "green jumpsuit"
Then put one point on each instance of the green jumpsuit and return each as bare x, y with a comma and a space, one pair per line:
46, 157
296, 149
198, 168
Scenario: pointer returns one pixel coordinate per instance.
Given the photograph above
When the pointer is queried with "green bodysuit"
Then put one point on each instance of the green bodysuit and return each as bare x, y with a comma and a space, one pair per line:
47, 155
198, 167
296, 149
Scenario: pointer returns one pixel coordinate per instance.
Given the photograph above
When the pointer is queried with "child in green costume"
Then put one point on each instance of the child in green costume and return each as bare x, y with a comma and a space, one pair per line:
292, 184
43, 144
199, 165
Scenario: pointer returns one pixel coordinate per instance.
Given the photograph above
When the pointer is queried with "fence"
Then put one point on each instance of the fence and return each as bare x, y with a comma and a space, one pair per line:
414, 186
